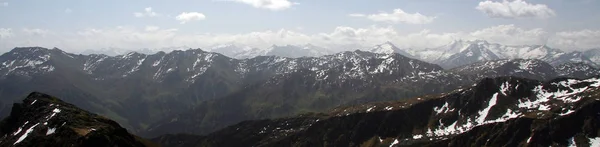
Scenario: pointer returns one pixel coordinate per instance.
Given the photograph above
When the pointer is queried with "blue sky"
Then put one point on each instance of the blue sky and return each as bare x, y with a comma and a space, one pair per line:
77, 25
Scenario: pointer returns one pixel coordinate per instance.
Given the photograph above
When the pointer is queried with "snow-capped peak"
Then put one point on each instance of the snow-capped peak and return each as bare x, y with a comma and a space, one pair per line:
385, 48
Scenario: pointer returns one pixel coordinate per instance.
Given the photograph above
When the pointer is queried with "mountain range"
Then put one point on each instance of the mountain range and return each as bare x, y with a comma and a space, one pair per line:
504, 111
122, 51
200, 92
290, 51
460, 52
454, 54
195, 91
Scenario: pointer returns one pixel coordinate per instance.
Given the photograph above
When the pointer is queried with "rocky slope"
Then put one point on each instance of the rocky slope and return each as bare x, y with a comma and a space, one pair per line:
577, 70
525, 68
43, 120
502, 111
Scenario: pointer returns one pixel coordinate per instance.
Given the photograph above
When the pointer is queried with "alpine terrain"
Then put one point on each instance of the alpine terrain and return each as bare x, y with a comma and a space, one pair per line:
300, 73
43, 120
504, 111
198, 92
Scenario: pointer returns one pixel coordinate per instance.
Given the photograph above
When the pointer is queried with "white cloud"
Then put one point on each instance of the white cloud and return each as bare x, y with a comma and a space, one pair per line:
5, 33
152, 28
357, 15
5, 4
36, 31
68, 10
398, 16
185, 17
350, 38
515, 9
147, 13
511, 35
274, 5
577, 39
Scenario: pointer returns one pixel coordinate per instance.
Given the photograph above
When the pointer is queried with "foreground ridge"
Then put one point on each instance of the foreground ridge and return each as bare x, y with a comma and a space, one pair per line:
503, 111
43, 120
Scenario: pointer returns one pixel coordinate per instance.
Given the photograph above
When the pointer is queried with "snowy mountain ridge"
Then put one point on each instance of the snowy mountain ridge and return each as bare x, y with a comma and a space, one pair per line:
460, 52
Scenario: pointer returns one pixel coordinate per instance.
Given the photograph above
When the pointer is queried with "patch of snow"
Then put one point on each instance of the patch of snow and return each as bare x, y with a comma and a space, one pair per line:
170, 70
89, 65
25, 134
33, 102
371, 109
567, 113
470, 124
137, 66
572, 142
394, 143
444, 109
417, 136
595, 141
544, 96
20, 128
544, 108
156, 63
483, 113
389, 108
54, 112
18, 131
504, 88
510, 114
50, 131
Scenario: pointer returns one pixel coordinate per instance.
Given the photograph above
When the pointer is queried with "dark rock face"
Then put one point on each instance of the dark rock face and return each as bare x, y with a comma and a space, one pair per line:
43, 120
502, 111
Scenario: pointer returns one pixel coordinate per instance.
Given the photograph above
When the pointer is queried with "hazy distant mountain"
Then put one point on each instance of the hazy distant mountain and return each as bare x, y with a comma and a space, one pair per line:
460, 52
593, 54
106, 51
291, 51
121, 51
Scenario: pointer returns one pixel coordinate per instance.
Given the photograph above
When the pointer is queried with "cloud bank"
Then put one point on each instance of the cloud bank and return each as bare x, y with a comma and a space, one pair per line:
397, 16
515, 9
342, 36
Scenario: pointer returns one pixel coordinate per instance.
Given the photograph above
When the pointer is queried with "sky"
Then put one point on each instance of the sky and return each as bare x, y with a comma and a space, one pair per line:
78, 25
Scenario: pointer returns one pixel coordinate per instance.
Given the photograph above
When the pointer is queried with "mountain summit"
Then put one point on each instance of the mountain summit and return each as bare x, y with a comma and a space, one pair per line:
43, 120
389, 48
